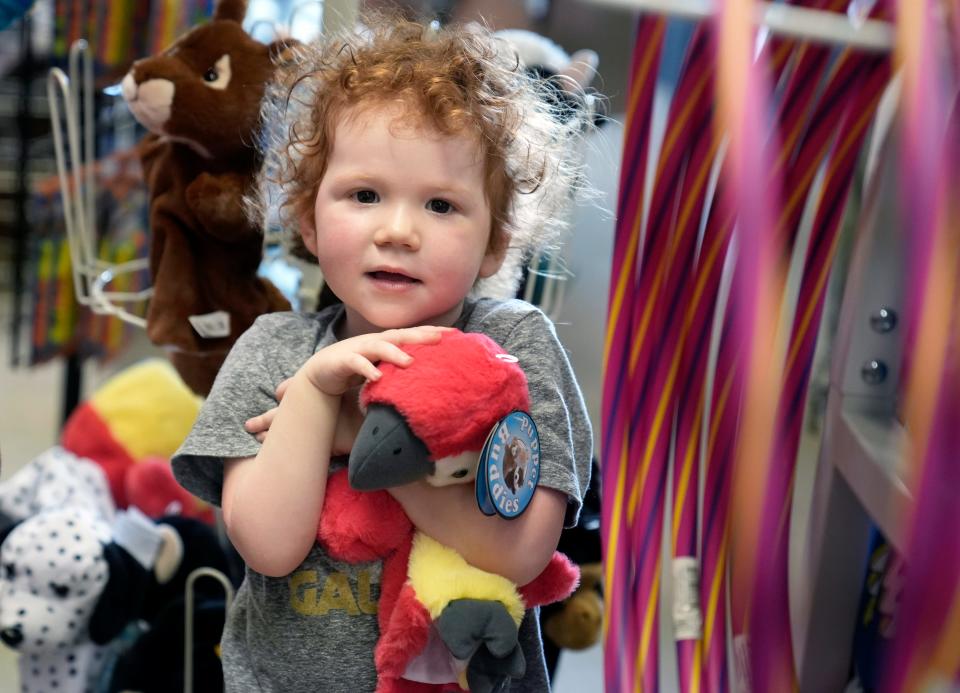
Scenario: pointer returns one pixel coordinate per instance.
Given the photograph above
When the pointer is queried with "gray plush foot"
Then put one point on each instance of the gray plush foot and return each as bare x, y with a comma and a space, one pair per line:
484, 633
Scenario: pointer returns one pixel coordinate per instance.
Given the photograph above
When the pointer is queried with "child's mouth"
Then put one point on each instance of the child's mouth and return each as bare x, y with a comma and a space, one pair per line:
392, 278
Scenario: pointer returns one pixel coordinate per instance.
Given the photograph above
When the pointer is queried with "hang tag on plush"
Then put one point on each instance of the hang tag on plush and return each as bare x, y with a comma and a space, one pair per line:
211, 325
509, 467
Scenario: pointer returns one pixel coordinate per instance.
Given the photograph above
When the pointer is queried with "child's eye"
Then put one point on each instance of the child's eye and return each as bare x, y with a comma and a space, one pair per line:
439, 206
366, 197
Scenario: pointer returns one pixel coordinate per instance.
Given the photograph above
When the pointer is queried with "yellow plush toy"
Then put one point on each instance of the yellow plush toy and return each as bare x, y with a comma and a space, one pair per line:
131, 426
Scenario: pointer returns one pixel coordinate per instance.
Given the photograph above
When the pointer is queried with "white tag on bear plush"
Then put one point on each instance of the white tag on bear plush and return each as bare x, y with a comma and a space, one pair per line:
211, 325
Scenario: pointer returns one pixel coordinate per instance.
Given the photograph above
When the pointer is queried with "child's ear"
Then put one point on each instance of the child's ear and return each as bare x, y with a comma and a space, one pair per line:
309, 234
493, 260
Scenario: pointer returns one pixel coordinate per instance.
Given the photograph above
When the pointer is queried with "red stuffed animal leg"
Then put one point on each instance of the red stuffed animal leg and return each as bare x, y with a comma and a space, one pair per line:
392, 582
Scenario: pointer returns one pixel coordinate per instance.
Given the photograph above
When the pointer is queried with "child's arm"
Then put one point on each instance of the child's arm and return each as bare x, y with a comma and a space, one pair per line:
287, 479
517, 549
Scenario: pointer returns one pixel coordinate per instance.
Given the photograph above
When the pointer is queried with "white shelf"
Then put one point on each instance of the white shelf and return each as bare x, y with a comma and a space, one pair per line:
793, 21
870, 453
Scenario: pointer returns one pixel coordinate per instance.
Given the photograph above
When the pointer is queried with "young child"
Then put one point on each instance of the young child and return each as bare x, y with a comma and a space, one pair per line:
418, 160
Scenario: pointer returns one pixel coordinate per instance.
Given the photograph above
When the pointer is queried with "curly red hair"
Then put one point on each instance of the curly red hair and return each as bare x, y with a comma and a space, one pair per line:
456, 81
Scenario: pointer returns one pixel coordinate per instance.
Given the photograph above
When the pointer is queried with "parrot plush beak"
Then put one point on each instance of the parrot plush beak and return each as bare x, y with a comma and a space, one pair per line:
386, 452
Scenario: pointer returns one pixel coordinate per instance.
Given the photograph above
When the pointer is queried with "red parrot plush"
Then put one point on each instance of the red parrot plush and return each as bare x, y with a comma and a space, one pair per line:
444, 624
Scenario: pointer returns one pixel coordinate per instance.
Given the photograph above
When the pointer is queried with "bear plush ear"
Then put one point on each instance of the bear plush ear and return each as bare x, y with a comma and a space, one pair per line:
170, 555
231, 10
283, 50
580, 71
122, 597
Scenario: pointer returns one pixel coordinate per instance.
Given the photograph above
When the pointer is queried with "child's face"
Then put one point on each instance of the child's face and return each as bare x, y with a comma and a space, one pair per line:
401, 222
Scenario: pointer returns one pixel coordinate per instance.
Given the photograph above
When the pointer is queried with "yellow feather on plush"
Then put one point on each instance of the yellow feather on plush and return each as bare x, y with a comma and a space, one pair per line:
148, 407
439, 575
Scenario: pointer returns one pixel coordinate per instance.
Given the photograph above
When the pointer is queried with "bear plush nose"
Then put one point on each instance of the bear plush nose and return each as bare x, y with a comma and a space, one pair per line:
12, 636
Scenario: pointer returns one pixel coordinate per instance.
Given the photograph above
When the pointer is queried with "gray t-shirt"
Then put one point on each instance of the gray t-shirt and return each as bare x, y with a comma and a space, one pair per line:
315, 629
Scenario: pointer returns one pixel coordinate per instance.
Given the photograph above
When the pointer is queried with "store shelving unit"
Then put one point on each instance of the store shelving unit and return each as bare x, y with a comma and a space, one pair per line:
25, 155
861, 476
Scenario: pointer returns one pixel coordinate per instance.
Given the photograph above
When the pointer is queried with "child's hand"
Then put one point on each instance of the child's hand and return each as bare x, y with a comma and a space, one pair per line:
259, 425
335, 369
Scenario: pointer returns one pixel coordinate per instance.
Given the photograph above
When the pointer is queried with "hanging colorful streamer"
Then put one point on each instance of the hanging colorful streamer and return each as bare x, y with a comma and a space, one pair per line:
751, 196
619, 670
700, 303
664, 297
770, 625
687, 616
770, 659
671, 239
852, 105
754, 425
61, 327
925, 653
121, 31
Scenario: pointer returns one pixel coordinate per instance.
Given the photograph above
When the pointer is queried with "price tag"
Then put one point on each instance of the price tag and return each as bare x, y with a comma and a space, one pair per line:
687, 619
211, 325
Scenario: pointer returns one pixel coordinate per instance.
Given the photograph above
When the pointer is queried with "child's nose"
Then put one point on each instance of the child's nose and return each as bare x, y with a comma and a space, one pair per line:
398, 228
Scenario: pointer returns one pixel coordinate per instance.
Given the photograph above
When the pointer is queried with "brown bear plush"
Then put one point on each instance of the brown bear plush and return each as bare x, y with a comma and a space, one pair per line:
200, 100
576, 624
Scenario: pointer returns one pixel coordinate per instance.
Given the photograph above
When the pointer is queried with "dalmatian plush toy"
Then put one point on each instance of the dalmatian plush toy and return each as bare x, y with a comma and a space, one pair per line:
56, 478
68, 581
53, 572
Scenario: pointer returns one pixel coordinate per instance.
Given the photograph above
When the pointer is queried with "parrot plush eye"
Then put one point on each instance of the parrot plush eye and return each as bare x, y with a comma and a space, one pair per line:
460, 473
210, 75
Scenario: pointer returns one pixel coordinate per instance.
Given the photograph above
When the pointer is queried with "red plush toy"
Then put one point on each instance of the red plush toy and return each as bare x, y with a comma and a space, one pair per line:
442, 621
130, 427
